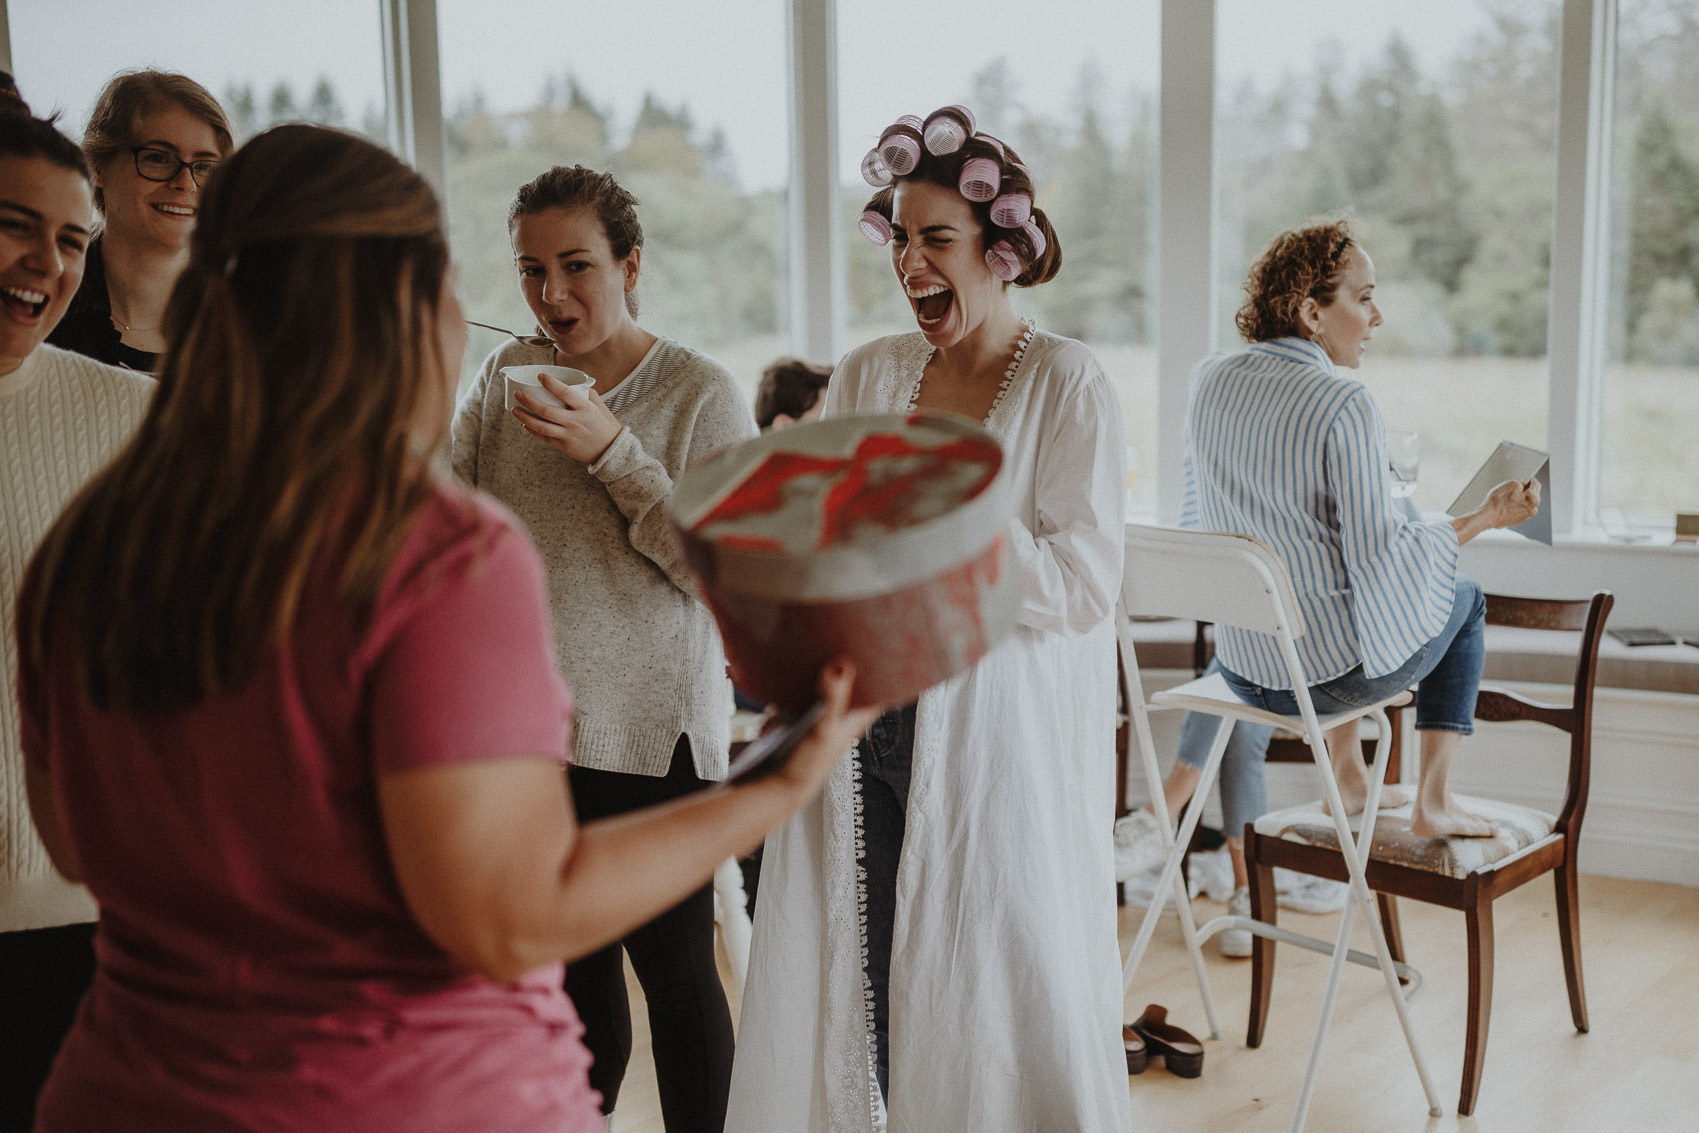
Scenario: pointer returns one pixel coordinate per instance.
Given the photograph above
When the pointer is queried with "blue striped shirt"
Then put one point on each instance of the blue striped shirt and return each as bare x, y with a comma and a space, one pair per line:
1279, 446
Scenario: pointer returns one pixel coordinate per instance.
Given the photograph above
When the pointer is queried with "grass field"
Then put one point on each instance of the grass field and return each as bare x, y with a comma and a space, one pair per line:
1462, 407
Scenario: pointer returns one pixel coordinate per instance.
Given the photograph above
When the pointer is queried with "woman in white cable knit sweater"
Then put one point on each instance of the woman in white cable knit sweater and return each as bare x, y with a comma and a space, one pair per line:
591, 481
62, 416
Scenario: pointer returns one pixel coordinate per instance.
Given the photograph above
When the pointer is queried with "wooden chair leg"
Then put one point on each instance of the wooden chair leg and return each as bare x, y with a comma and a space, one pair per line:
1569, 936
1478, 922
1389, 924
1264, 907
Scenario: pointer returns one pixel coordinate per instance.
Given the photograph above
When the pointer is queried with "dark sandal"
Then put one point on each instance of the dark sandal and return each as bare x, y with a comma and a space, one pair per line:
1182, 1053
1137, 1053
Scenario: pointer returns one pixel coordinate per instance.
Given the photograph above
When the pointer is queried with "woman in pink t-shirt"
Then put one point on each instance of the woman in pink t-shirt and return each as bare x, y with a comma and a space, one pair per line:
309, 762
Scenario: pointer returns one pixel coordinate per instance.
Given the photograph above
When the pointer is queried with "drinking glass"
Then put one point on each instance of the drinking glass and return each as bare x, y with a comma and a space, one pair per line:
1405, 451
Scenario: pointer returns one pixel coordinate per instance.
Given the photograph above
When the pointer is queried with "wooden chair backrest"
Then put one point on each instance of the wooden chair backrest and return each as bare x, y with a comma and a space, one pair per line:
1586, 615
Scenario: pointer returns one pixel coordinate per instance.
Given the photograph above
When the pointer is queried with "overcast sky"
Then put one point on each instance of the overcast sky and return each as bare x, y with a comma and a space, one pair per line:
725, 59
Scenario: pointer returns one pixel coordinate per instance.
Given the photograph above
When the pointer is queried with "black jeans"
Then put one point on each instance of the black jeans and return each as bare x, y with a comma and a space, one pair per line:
43, 975
690, 1025
886, 757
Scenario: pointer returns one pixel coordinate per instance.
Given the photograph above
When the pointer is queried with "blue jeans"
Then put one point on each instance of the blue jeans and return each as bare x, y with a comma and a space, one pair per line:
1244, 791
1446, 672
885, 756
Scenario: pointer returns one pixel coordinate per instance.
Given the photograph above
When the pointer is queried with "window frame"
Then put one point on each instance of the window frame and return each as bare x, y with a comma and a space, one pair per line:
1187, 222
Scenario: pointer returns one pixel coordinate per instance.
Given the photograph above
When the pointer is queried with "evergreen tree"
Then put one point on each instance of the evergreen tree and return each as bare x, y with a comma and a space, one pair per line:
1428, 197
281, 107
323, 106
241, 109
1663, 241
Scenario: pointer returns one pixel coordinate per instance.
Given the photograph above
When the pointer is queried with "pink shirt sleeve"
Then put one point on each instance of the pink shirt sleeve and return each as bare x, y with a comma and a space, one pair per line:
469, 672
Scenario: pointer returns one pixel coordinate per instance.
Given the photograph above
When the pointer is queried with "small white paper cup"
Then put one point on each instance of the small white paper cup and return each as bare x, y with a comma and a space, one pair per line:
529, 378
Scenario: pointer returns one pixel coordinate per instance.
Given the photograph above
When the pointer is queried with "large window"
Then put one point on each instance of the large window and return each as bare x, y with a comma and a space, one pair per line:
1433, 126
1649, 462
689, 112
322, 64
1073, 90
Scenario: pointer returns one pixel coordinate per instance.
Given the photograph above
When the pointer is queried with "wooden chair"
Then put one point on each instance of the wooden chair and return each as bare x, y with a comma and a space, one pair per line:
1459, 873
1235, 580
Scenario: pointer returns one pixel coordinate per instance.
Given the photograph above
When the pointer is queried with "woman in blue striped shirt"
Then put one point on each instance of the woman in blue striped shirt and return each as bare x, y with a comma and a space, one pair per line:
1280, 446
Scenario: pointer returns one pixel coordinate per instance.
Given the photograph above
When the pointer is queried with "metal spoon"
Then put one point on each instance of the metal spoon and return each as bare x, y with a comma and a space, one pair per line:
526, 339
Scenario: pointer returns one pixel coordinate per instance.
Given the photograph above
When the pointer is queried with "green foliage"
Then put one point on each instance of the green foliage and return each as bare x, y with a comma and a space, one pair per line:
713, 254
321, 106
1447, 175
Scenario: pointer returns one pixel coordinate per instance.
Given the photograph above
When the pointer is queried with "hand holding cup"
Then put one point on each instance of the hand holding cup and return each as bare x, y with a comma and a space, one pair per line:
562, 409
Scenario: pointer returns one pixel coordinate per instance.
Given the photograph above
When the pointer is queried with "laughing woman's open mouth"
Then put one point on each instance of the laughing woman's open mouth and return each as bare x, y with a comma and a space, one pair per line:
931, 304
23, 303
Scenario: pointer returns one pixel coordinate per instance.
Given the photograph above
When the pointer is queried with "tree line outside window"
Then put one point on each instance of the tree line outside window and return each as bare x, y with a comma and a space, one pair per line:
1449, 172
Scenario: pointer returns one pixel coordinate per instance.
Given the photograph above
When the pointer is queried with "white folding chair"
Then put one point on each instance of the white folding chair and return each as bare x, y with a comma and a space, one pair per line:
1237, 581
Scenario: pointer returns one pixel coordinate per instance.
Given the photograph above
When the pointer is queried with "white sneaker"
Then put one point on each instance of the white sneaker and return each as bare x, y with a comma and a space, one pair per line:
1236, 942
1138, 844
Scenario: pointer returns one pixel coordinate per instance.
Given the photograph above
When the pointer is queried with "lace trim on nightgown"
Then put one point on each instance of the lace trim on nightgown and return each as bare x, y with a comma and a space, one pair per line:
853, 1104
904, 357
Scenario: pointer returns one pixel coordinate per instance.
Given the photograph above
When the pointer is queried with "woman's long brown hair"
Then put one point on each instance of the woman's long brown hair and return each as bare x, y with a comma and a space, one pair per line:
302, 346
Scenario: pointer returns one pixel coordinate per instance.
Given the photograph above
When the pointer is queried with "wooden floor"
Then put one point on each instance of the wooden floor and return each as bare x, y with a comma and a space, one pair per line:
1638, 1069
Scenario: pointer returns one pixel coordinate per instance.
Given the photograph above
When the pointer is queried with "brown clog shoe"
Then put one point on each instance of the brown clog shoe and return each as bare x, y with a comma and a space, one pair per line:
1137, 1053
1181, 1052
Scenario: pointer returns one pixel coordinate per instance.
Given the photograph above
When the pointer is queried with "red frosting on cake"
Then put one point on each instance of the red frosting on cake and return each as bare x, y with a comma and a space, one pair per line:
888, 483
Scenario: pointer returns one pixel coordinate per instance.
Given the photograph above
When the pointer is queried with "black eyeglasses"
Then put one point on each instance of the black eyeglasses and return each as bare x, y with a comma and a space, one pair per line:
163, 165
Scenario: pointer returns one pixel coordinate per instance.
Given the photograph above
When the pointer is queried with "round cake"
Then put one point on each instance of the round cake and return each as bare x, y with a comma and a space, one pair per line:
881, 537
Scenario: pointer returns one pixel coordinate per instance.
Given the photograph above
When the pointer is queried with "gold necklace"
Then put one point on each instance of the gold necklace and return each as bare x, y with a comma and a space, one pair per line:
112, 312
128, 329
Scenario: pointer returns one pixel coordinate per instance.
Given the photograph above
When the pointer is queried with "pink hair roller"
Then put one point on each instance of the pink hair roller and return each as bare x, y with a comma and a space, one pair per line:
875, 227
980, 179
1003, 261
945, 130
873, 170
1011, 210
899, 148
912, 121
1036, 235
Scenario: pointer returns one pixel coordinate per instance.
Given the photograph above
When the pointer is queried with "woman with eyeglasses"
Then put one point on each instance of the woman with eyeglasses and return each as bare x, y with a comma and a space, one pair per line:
153, 139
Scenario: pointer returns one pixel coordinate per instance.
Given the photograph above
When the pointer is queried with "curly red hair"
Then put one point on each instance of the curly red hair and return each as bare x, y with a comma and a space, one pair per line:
1301, 263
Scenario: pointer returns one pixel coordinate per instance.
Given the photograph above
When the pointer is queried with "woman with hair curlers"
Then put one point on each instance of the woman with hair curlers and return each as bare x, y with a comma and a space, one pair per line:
960, 871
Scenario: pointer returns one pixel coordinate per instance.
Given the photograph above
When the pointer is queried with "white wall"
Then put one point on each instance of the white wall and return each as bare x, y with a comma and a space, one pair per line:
1653, 585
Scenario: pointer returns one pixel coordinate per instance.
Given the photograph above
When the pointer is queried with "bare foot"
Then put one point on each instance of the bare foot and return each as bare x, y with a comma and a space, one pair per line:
1452, 822
1355, 799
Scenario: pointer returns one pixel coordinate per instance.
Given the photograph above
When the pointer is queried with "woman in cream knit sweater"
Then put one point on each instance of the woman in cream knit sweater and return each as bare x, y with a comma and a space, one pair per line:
591, 480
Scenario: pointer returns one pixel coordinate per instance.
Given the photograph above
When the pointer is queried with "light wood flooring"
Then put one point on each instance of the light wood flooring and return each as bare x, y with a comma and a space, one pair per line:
1638, 1068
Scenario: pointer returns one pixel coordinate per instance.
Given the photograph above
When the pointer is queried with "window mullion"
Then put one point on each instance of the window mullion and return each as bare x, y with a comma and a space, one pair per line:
1185, 228
413, 84
1579, 259
817, 287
